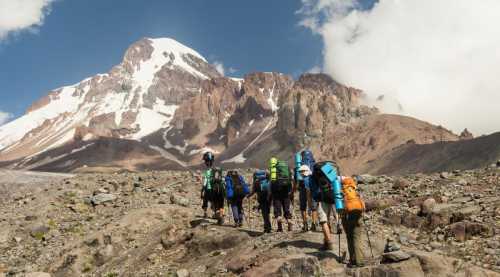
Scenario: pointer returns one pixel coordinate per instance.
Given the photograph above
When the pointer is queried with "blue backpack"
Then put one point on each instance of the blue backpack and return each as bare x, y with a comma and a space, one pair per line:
236, 187
261, 181
326, 175
308, 158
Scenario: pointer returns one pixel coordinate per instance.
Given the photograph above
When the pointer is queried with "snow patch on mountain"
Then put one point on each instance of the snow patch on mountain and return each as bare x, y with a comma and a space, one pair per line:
62, 101
236, 159
270, 100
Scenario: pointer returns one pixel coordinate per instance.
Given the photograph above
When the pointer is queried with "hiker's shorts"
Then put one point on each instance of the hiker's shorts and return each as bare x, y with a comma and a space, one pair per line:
282, 206
217, 202
304, 203
324, 211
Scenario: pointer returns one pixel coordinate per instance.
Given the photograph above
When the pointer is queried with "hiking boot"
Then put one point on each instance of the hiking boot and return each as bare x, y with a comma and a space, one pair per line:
205, 215
327, 246
280, 227
290, 227
355, 265
267, 230
314, 227
305, 228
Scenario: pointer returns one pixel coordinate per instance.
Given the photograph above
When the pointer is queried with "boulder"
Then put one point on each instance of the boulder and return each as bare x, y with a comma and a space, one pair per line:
464, 230
179, 200
294, 265
395, 256
380, 204
369, 179
400, 184
102, 198
206, 241
104, 254
427, 206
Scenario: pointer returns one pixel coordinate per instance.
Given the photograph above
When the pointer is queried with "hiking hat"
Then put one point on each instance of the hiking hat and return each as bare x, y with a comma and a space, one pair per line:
304, 170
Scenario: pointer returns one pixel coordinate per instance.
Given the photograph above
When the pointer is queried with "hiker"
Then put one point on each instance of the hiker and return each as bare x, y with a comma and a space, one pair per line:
352, 221
306, 203
208, 158
262, 188
217, 194
236, 190
320, 189
281, 191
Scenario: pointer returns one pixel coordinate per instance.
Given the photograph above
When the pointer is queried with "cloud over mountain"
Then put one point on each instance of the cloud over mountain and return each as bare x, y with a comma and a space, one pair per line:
18, 15
437, 58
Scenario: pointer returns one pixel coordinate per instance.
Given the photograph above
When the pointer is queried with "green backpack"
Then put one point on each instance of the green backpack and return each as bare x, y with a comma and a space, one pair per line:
281, 182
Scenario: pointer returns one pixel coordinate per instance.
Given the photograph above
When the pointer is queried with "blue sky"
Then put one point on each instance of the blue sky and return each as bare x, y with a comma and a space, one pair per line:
81, 38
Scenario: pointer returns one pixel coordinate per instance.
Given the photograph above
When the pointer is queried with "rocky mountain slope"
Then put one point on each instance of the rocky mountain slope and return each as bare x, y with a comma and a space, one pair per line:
148, 224
439, 156
164, 105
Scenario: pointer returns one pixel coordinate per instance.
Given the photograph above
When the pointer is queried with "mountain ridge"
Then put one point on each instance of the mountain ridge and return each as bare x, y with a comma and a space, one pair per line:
164, 105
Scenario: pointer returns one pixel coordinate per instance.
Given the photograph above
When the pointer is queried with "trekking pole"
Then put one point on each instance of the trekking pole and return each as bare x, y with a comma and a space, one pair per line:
230, 212
368, 235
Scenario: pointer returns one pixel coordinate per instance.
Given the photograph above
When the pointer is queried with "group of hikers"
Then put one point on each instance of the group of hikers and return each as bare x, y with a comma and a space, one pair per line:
323, 193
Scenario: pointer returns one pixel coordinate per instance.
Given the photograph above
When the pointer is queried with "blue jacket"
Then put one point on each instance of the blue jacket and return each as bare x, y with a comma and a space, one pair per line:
230, 190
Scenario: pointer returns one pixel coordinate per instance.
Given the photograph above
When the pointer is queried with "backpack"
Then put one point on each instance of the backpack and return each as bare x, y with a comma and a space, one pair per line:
261, 181
236, 186
352, 200
326, 176
308, 158
280, 177
217, 182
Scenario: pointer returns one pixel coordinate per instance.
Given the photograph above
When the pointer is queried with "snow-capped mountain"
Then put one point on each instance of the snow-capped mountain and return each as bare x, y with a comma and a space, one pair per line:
136, 98
164, 105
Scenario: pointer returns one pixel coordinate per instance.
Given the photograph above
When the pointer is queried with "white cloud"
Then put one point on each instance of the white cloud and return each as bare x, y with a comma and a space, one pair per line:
439, 59
4, 117
315, 69
18, 15
219, 66
232, 70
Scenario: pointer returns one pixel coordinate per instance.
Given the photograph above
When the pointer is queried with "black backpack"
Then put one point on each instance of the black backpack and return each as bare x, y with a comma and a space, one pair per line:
217, 183
238, 189
322, 181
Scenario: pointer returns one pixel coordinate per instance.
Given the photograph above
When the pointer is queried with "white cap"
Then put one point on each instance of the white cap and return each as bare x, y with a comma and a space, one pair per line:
304, 170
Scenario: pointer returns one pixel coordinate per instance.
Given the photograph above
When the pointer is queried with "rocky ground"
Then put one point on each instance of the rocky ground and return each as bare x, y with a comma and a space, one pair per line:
149, 224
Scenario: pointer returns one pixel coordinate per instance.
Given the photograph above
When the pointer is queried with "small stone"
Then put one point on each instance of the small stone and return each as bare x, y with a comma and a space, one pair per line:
31, 218
444, 175
38, 274
39, 232
182, 273
391, 246
435, 245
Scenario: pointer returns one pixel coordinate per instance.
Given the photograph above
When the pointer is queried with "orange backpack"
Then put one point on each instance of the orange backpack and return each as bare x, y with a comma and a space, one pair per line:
352, 201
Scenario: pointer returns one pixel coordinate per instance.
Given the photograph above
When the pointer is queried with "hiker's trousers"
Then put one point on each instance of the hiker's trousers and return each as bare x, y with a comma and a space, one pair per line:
237, 209
354, 230
265, 209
